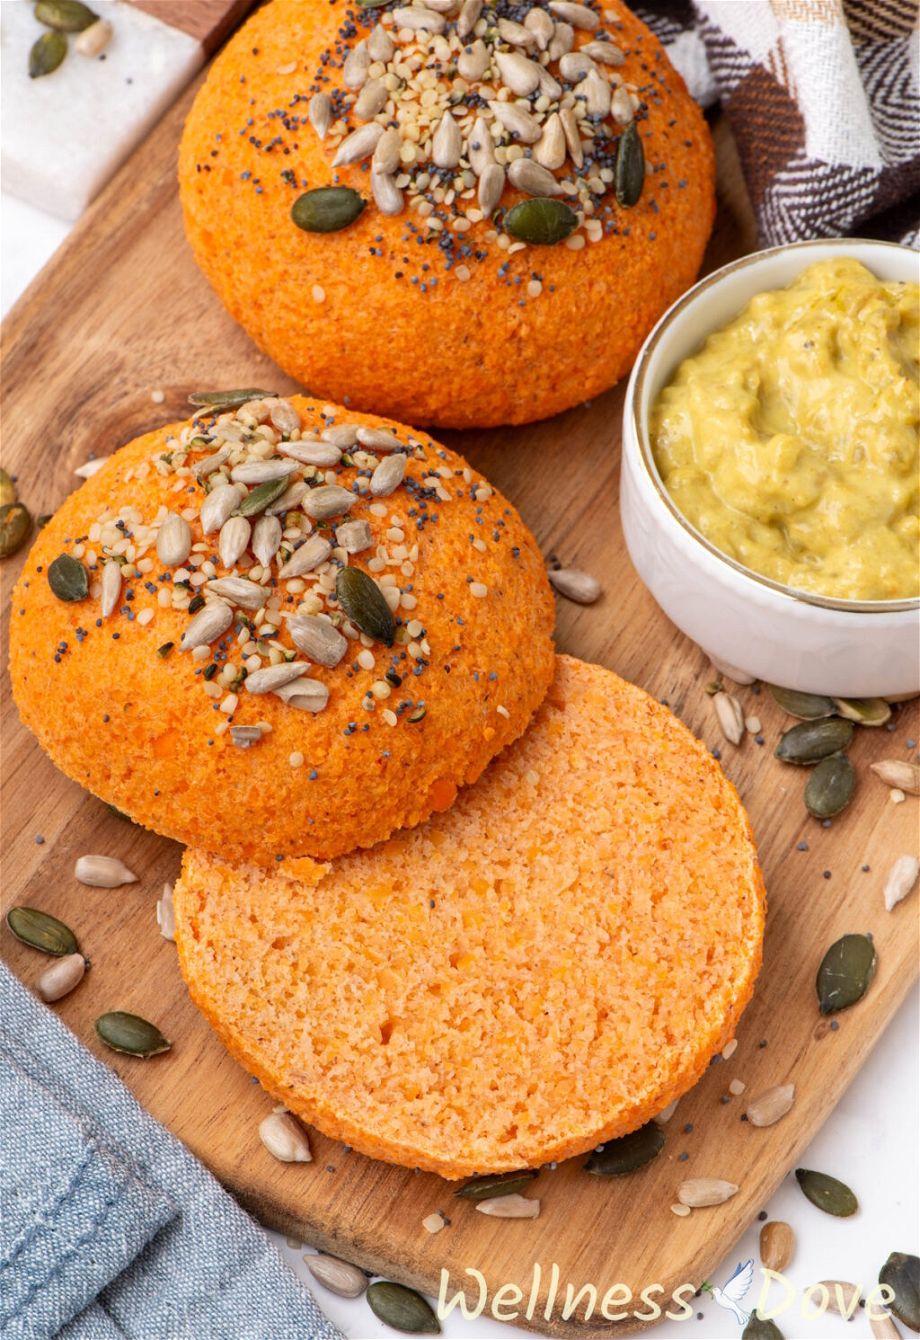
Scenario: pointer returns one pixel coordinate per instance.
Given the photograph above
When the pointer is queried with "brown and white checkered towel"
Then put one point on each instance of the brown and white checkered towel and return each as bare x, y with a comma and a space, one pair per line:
824, 104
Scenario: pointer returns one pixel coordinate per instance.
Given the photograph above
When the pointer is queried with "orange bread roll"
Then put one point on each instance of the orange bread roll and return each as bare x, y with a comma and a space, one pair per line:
544, 967
270, 674
418, 287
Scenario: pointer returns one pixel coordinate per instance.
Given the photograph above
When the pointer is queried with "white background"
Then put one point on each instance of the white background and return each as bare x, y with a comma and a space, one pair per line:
870, 1141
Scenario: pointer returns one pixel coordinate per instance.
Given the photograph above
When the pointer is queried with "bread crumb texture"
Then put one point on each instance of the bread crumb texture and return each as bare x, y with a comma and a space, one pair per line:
410, 314
151, 728
544, 967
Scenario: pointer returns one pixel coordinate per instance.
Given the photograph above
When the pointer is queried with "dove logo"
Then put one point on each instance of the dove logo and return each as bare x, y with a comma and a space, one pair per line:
735, 1290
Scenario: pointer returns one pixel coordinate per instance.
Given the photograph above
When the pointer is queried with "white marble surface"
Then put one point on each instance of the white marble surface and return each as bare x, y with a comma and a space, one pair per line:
870, 1140
65, 134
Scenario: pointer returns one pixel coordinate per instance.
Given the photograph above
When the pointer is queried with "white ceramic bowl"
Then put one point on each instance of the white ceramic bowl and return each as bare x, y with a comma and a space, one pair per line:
750, 626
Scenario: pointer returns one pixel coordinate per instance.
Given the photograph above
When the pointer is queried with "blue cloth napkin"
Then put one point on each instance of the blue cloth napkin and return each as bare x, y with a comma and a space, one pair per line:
109, 1228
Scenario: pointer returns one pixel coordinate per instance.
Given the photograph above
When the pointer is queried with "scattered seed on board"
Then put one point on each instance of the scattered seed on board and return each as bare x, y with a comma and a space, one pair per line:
700, 1191
284, 1138
339, 1277
777, 1245
771, 1105
131, 1034
166, 914
827, 1193
901, 879
402, 1308
103, 872
40, 930
510, 1207
729, 715
61, 978
90, 468
433, 1223
665, 1115
896, 773
845, 973
575, 585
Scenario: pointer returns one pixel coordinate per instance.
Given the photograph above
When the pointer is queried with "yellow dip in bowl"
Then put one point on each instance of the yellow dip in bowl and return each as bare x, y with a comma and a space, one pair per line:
790, 440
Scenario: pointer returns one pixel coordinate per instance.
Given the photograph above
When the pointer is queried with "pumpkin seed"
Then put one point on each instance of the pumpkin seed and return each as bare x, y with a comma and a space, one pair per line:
131, 1034
47, 53
402, 1308
218, 401
327, 209
339, 1277
896, 773
827, 1193
41, 931
760, 1328
67, 16
777, 1245
806, 706
68, 578
811, 741
830, 787
7, 489
42, 520
864, 711
263, 496
496, 1184
630, 168
61, 978
543, 222
15, 524
845, 973
363, 601
901, 1272
901, 879
628, 1153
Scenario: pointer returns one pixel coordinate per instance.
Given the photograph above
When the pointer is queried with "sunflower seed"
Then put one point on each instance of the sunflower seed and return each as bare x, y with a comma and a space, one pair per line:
480, 147
830, 787
562, 41
216, 402
771, 1105
901, 879
827, 1193
283, 416
387, 195
239, 591
811, 741
446, 142
111, 587
207, 626
621, 107
419, 18
362, 600
90, 468
538, 22
388, 475
103, 872
595, 90
470, 11
328, 209
517, 122
286, 501
371, 100
548, 86
400, 1307
327, 501
805, 706
317, 638
901, 1272
354, 536
540, 221
309, 556
284, 1138
616, 1158
380, 45
630, 166
579, 16
68, 578
67, 16
131, 1034
761, 1328
174, 540
379, 439
262, 472
516, 34
491, 186
904, 776
344, 435
46, 54
357, 64
666, 1113
572, 135
575, 585
530, 177
846, 972
233, 539
211, 463
550, 151
307, 695
842, 1297
41, 931
518, 73
385, 161
337, 1276
864, 711
510, 1207
275, 677
166, 913
320, 113
266, 539
699, 1191
777, 1245
61, 978
605, 53
496, 1184
219, 506
882, 1325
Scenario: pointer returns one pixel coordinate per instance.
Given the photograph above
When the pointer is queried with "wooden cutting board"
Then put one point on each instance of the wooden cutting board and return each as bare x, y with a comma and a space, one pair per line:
121, 312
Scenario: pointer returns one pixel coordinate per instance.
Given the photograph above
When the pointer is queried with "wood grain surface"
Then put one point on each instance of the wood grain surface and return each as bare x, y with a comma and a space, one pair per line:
208, 21
121, 312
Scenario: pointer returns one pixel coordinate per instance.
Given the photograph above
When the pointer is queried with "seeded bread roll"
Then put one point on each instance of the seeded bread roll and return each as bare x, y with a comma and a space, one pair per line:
544, 967
490, 250
283, 632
